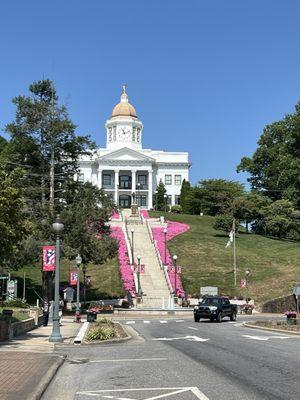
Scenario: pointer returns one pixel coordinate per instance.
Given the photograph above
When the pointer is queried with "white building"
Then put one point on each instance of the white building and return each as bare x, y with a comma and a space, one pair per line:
124, 168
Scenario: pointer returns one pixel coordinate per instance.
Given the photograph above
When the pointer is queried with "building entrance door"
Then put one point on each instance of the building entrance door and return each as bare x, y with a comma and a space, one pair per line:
124, 201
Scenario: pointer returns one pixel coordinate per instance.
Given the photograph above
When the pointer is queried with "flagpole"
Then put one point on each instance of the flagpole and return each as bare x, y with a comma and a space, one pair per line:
234, 253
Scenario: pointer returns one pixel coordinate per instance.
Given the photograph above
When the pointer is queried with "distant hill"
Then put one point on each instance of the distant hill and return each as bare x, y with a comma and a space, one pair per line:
274, 264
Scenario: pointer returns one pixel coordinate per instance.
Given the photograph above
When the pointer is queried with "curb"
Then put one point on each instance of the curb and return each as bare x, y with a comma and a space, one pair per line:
262, 328
46, 380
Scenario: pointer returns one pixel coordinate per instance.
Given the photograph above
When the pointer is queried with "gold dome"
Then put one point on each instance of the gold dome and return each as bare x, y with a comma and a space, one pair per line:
124, 108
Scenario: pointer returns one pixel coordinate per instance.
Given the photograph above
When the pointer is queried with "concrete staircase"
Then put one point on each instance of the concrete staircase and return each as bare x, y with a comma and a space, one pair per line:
153, 282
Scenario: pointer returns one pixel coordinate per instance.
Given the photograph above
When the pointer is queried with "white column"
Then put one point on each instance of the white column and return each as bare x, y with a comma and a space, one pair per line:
116, 186
150, 189
99, 183
133, 181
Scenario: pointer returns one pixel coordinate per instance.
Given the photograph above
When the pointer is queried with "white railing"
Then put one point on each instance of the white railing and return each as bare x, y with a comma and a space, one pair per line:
149, 231
127, 240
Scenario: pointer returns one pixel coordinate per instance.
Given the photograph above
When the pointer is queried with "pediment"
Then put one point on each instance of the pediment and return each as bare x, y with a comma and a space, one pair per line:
126, 154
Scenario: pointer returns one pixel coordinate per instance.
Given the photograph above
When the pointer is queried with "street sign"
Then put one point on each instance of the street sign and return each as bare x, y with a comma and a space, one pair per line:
209, 290
243, 283
3, 277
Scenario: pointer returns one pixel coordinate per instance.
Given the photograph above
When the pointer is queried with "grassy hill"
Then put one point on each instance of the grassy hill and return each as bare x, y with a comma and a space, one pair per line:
274, 264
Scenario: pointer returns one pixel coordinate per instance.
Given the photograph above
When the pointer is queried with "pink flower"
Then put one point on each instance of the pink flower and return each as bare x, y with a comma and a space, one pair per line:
145, 214
124, 264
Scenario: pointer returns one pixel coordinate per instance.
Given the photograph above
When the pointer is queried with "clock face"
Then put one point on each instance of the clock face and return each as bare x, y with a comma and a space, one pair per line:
124, 133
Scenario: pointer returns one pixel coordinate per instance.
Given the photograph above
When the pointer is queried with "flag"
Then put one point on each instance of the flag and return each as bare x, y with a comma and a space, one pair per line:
231, 235
48, 258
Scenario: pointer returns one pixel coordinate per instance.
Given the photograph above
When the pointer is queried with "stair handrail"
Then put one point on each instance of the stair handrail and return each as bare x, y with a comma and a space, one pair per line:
128, 245
163, 267
149, 231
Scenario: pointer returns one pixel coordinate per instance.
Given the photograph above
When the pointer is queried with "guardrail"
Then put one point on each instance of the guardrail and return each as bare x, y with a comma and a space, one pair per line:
127, 240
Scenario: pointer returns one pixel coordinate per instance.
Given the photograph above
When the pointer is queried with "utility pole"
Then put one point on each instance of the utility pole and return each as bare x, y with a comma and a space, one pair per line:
234, 252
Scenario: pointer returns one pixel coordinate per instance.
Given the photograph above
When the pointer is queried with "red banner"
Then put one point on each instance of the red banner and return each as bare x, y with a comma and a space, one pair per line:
243, 283
48, 258
73, 278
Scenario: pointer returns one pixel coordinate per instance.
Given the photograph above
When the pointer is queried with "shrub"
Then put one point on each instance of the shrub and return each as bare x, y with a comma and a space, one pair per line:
17, 303
223, 222
176, 209
101, 332
104, 321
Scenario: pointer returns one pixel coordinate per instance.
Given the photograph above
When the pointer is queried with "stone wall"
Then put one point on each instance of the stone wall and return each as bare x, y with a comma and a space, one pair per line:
17, 328
279, 305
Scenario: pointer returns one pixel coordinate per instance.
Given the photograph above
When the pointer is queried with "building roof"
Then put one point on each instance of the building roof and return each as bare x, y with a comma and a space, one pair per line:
124, 108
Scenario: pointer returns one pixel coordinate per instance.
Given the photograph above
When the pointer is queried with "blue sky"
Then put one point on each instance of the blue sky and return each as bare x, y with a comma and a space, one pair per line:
204, 76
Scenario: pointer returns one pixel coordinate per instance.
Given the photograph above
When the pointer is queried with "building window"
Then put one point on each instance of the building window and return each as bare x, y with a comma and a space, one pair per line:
141, 200
125, 182
106, 180
81, 178
169, 200
177, 200
141, 182
138, 135
133, 134
177, 179
168, 179
114, 133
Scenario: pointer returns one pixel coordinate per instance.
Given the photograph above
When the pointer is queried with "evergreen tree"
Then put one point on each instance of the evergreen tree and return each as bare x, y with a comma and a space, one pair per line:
186, 194
160, 197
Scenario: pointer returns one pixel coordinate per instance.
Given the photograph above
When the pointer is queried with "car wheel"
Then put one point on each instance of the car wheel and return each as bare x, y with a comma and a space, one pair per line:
233, 317
211, 319
196, 319
219, 317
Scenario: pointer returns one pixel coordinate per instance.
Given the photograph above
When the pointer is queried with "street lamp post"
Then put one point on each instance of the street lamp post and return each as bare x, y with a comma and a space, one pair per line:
84, 280
155, 200
139, 275
166, 199
78, 263
132, 248
58, 227
165, 234
247, 273
175, 267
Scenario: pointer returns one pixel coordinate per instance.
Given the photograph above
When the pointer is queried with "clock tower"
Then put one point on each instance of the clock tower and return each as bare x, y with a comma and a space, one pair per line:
124, 129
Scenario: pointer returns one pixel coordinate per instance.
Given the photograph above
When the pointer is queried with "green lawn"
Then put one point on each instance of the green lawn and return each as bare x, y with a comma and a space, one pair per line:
105, 280
274, 264
18, 314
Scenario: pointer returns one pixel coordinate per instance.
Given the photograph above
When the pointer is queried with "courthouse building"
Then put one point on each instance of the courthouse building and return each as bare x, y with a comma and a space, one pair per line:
124, 170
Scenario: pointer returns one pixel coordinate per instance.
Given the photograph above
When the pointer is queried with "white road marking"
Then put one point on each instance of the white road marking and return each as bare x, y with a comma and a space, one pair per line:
191, 327
146, 322
266, 337
189, 338
129, 359
171, 392
163, 322
180, 320
130, 322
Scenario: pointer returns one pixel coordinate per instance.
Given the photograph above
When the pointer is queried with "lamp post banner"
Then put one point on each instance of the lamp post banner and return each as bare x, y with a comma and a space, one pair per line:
73, 278
243, 283
48, 258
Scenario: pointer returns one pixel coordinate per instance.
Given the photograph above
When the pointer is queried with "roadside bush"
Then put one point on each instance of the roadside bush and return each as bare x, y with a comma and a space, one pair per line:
223, 222
101, 332
176, 209
17, 303
104, 321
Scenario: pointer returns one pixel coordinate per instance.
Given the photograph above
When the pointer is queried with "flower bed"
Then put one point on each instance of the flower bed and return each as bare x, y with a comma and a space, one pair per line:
115, 214
124, 264
174, 229
145, 214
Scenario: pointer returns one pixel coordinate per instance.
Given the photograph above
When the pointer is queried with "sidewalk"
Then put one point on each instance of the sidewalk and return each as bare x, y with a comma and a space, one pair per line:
29, 361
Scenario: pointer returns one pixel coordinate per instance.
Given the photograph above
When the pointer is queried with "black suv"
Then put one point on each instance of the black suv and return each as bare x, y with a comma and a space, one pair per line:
215, 308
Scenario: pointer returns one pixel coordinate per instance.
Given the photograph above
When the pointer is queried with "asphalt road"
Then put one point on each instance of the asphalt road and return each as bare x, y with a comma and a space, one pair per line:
183, 360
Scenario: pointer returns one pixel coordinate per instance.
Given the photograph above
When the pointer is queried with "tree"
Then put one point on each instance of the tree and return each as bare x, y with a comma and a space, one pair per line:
274, 167
86, 226
43, 140
186, 193
248, 208
160, 197
14, 226
214, 196
224, 222
279, 220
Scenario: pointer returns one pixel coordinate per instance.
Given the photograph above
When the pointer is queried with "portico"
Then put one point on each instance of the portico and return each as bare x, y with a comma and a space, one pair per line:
124, 168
